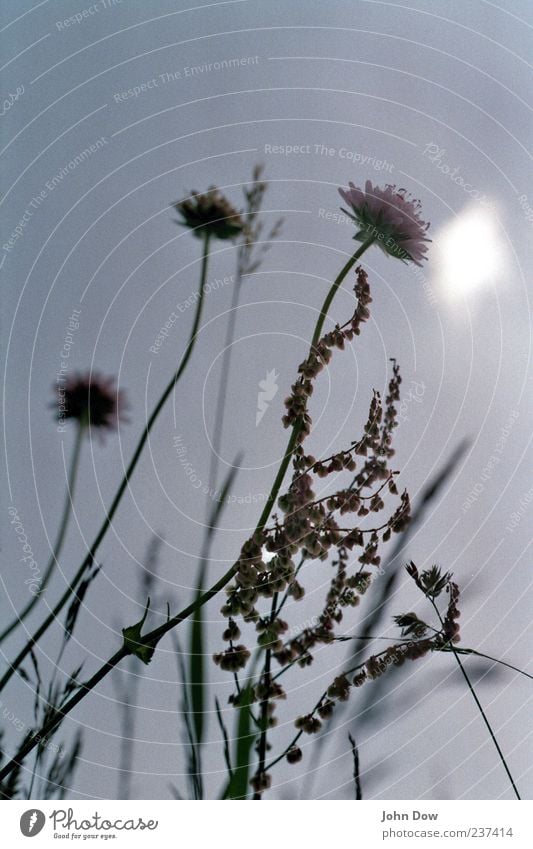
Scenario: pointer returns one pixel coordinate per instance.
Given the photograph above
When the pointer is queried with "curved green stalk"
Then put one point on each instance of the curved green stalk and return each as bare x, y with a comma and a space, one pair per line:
56, 551
316, 336
124, 483
263, 519
154, 636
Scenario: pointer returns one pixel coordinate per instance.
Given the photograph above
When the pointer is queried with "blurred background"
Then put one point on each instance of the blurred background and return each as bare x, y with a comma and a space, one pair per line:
430, 95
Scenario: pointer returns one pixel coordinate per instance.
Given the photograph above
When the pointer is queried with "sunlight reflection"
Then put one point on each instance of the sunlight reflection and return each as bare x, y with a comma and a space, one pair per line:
470, 253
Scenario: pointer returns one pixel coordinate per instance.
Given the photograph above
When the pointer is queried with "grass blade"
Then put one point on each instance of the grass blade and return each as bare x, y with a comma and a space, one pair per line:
239, 786
197, 685
227, 754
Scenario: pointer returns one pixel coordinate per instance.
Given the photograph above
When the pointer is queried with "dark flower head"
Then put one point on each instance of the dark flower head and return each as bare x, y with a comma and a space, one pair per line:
294, 755
391, 216
93, 400
210, 214
232, 659
261, 781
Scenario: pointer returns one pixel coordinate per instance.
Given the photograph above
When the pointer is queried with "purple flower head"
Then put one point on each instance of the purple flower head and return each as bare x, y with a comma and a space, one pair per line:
93, 400
391, 217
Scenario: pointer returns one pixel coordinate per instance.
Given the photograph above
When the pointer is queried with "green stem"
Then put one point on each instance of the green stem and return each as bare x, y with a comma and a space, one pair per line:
262, 748
220, 408
33, 774
316, 336
59, 715
56, 551
124, 483
263, 519
333, 291
154, 636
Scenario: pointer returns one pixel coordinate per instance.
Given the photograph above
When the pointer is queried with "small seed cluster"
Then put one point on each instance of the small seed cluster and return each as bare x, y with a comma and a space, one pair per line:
431, 583
333, 528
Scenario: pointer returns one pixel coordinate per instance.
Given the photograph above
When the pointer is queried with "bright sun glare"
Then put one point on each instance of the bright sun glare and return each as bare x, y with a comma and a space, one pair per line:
471, 253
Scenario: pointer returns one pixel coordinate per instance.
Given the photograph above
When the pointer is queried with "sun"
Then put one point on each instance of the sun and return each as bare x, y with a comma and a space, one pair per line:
469, 253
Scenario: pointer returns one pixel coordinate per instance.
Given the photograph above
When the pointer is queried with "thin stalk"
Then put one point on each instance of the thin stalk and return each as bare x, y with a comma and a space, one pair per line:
56, 719
311, 713
263, 519
220, 408
245, 266
480, 708
262, 749
487, 723
492, 659
154, 636
128, 700
33, 774
296, 429
383, 591
356, 773
263, 724
58, 545
243, 260
125, 480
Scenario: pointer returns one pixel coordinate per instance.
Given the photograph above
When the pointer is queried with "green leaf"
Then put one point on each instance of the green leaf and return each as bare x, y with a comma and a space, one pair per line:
79, 595
239, 786
193, 769
133, 640
197, 683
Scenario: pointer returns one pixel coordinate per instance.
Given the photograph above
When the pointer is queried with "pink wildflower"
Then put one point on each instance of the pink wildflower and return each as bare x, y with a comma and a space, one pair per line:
391, 217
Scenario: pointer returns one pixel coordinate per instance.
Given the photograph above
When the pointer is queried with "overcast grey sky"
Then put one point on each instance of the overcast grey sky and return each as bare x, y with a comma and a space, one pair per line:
431, 95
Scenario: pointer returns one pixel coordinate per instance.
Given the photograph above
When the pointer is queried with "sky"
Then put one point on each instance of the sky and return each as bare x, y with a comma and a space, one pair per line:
431, 96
